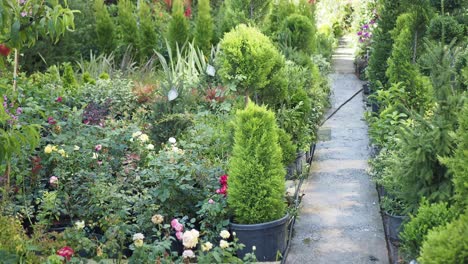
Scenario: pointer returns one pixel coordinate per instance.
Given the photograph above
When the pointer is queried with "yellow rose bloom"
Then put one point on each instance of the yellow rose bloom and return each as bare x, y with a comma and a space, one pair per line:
48, 149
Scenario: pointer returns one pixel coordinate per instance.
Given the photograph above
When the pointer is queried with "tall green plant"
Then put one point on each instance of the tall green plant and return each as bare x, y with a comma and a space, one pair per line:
147, 32
447, 244
127, 23
245, 11
256, 174
300, 31
204, 26
249, 59
105, 29
178, 26
457, 163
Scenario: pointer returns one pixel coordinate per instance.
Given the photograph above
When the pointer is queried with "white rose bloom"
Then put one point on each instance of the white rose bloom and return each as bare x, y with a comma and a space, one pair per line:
76, 147
188, 254
207, 246
223, 244
79, 225
138, 236
225, 234
143, 138
190, 238
172, 140
150, 147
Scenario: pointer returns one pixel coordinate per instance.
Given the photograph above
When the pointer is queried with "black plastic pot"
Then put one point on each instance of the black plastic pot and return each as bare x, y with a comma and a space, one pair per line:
366, 88
394, 226
268, 238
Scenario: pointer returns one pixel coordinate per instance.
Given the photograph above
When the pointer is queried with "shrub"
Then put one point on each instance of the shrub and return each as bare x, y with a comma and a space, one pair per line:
446, 25
300, 30
178, 32
256, 175
127, 23
204, 26
248, 58
105, 30
447, 244
457, 164
68, 78
428, 217
147, 36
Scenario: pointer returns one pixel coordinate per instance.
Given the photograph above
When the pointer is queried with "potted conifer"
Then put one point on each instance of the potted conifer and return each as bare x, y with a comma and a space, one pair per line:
256, 184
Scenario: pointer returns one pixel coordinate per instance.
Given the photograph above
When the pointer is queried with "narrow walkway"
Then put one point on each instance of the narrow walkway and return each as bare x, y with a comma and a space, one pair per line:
339, 221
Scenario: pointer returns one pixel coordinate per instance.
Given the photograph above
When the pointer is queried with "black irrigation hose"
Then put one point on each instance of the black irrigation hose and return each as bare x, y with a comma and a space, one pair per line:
309, 161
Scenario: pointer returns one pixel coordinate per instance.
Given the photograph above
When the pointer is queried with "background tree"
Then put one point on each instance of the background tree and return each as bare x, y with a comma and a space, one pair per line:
105, 29
204, 26
178, 26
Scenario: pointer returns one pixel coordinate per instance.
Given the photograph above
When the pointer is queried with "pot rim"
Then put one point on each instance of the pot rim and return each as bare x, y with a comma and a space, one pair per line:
265, 225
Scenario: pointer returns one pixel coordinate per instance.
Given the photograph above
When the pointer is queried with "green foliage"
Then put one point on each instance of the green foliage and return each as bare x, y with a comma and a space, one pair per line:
204, 27
147, 32
105, 28
447, 244
13, 241
70, 47
401, 67
68, 78
445, 29
249, 59
21, 24
382, 42
280, 11
457, 163
245, 12
256, 174
287, 146
429, 216
178, 32
128, 29
300, 31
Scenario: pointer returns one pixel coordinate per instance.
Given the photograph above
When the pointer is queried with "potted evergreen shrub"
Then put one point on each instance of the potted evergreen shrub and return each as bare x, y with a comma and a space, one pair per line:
256, 184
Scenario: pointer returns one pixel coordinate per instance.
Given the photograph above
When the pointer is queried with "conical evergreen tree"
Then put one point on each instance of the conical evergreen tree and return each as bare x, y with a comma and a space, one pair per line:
105, 28
256, 174
147, 35
127, 23
178, 26
204, 26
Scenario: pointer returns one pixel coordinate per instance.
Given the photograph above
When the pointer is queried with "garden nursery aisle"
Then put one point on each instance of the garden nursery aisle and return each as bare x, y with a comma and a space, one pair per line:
339, 219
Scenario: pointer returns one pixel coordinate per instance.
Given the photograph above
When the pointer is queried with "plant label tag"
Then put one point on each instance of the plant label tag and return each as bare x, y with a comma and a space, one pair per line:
172, 95
210, 70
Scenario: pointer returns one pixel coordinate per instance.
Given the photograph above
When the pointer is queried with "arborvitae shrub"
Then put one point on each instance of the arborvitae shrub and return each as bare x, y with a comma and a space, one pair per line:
178, 32
287, 147
127, 23
458, 163
204, 26
452, 29
105, 29
248, 58
147, 32
300, 30
382, 42
68, 78
428, 217
256, 182
280, 11
447, 244
88, 79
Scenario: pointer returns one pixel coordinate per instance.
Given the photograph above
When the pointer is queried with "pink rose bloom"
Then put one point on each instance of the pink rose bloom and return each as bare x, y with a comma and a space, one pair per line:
211, 201
53, 180
59, 99
179, 235
66, 252
98, 147
179, 227
174, 222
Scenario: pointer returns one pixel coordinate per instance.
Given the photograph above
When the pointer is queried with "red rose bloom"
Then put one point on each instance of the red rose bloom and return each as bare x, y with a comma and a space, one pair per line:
188, 12
66, 252
4, 50
223, 179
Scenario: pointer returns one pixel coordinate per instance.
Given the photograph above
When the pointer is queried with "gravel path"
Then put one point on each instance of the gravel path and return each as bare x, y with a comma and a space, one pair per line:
339, 221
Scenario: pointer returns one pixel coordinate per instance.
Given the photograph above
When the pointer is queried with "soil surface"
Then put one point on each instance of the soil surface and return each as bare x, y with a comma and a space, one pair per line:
339, 219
